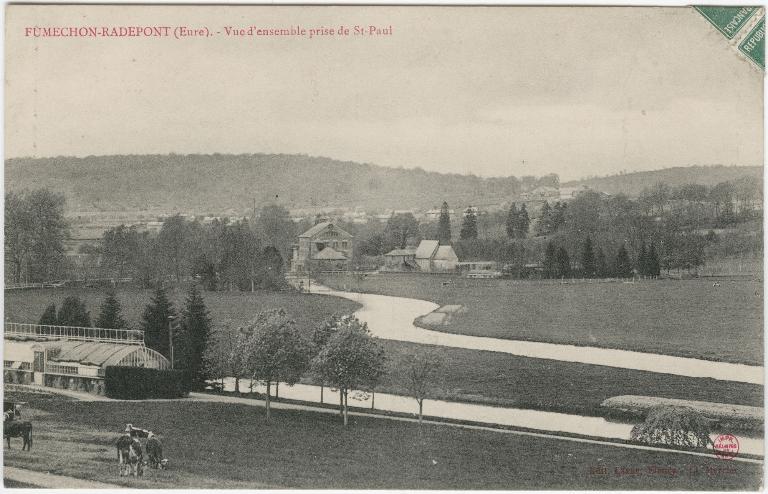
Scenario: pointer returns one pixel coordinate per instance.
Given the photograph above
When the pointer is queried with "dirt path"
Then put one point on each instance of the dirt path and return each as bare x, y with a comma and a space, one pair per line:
52, 481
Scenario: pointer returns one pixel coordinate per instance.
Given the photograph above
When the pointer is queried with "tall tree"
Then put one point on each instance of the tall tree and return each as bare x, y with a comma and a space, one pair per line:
157, 316
469, 227
423, 369
550, 265
110, 314
193, 337
277, 229
601, 264
623, 263
279, 350
320, 336
119, 246
49, 316
171, 242
444, 225
513, 217
544, 225
523, 222
642, 261
588, 262
654, 268
401, 227
228, 356
73, 313
563, 262
352, 359
271, 271
35, 230
558, 216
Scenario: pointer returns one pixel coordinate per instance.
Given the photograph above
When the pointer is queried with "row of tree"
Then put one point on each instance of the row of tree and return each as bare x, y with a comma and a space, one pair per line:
593, 263
222, 254
340, 353
191, 328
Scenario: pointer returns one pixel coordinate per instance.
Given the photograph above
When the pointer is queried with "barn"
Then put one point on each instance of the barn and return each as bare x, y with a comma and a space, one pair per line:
72, 357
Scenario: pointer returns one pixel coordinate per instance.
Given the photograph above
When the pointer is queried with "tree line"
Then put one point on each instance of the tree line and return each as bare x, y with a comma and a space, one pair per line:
676, 227
339, 353
189, 330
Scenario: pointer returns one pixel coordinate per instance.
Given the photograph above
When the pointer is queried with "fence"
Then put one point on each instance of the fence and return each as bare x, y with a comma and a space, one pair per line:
125, 336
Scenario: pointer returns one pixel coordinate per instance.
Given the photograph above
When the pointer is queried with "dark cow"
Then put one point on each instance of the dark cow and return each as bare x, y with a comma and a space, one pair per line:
155, 453
17, 428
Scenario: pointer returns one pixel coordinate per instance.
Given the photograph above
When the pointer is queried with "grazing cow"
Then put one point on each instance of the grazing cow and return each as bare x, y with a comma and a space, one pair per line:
15, 428
129, 456
155, 453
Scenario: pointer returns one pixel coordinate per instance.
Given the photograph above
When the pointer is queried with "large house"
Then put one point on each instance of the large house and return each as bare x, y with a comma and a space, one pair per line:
324, 247
433, 257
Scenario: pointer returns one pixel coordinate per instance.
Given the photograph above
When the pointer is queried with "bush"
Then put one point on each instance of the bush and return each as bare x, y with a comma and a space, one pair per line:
139, 383
673, 426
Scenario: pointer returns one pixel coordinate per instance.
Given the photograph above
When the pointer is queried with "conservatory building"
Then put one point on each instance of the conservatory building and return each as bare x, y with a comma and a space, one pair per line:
72, 357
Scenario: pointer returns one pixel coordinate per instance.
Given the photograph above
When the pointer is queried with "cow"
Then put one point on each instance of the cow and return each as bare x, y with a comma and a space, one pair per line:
155, 453
16, 428
129, 456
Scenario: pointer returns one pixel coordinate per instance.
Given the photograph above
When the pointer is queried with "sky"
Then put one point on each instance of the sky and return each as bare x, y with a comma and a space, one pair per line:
493, 91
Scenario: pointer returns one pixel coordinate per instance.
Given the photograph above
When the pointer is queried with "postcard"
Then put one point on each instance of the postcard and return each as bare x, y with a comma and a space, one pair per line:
383, 247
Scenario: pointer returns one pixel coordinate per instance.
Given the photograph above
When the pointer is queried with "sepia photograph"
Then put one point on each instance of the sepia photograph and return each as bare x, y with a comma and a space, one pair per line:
396, 247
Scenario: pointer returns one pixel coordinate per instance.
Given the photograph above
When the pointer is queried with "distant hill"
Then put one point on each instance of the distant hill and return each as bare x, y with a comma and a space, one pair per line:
632, 184
216, 183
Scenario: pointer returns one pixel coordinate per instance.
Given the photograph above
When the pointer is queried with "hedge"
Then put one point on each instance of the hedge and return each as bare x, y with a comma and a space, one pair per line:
139, 383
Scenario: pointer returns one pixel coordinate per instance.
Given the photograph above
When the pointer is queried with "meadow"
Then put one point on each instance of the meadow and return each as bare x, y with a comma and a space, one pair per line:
213, 445
687, 318
226, 308
465, 375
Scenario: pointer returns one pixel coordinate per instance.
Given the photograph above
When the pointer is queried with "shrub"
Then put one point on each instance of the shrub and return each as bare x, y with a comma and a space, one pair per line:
139, 383
674, 426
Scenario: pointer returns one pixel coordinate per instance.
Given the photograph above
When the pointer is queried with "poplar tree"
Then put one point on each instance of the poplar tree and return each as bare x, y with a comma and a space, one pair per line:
601, 264
523, 222
512, 219
654, 267
563, 263
444, 226
469, 227
550, 268
623, 264
588, 263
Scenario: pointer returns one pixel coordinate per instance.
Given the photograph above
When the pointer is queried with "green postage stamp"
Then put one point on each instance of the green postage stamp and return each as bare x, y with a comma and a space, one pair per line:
734, 22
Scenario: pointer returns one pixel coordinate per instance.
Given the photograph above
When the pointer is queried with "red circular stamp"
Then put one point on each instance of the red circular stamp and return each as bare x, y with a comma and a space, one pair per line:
726, 446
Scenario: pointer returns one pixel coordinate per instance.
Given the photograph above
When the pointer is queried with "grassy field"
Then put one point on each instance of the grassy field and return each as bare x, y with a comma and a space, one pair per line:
685, 318
233, 446
466, 375
237, 307
522, 382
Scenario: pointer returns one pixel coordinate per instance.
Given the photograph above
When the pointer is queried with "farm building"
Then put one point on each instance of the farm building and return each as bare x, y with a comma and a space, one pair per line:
400, 260
324, 247
72, 357
433, 257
